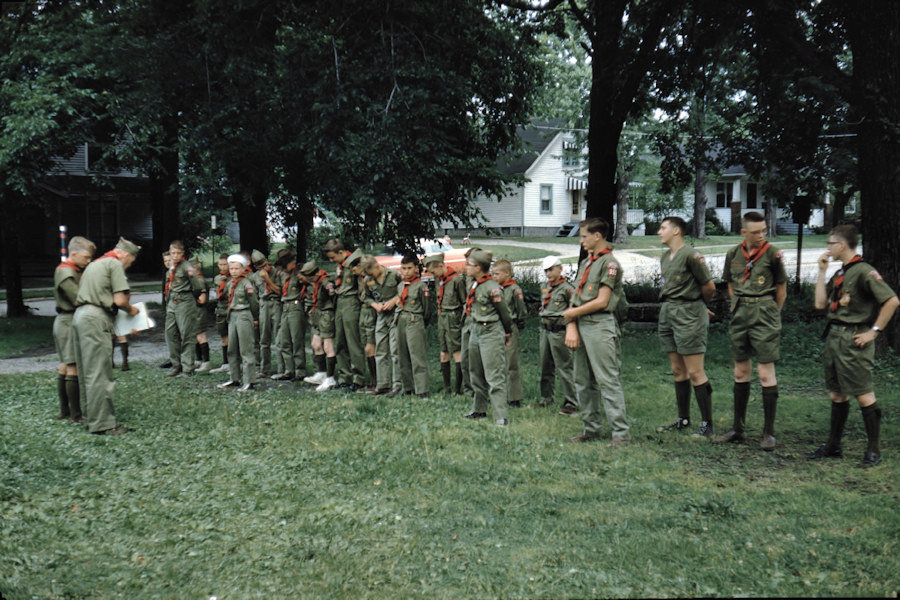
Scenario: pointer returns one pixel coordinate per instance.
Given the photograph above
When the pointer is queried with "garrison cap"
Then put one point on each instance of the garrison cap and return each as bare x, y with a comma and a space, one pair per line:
482, 257
129, 247
309, 268
284, 256
258, 259
433, 258
354, 257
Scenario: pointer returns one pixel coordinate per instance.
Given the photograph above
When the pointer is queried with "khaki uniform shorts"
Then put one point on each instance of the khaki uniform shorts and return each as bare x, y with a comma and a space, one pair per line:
324, 323
64, 338
683, 327
848, 368
367, 325
755, 329
450, 331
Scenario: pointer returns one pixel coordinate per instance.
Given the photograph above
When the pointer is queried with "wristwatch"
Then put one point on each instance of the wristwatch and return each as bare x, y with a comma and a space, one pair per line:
876, 328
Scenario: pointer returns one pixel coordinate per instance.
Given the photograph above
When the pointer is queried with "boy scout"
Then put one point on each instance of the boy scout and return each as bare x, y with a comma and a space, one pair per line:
182, 289
415, 313
321, 302
450, 303
683, 323
268, 284
592, 331
65, 290
381, 296
489, 330
858, 305
757, 285
165, 298
515, 302
348, 344
556, 357
292, 331
243, 316
103, 291
201, 364
367, 319
465, 330
221, 280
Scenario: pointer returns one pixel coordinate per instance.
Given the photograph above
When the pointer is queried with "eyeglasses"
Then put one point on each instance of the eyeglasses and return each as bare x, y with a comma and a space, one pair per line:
830, 243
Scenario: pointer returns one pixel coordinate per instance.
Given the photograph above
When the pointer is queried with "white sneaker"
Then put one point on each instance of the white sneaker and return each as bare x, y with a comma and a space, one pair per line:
223, 369
203, 368
327, 384
316, 378
196, 364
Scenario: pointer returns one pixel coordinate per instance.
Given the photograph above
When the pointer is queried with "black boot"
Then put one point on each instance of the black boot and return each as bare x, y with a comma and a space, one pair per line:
123, 347
445, 375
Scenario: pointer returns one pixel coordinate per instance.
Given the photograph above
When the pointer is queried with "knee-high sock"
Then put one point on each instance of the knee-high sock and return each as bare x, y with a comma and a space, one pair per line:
703, 393
683, 399
839, 412
63, 396
74, 394
741, 398
872, 418
445, 375
330, 362
770, 402
457, 386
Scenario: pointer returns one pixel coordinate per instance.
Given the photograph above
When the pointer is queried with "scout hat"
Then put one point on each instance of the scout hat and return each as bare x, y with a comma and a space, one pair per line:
354, 257
482, 258
550, 262
433, 258
258, 259
284, 257
309, 268
129, 247
195, 262
238, 258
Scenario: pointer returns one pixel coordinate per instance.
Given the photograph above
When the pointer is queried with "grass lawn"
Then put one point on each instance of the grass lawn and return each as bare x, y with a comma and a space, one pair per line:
19, 335
283, 493
513, 253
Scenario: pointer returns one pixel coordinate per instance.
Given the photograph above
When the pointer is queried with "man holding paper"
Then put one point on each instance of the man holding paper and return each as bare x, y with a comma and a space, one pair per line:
104, 290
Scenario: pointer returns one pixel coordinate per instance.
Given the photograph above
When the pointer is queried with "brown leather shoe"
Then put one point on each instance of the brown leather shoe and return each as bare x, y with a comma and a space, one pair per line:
581, 438
767, 443
568, 409
117, 430
730, 436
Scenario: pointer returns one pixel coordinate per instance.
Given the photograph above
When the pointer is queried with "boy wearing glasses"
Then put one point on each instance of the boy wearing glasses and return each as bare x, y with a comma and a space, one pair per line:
757, 286
858, 305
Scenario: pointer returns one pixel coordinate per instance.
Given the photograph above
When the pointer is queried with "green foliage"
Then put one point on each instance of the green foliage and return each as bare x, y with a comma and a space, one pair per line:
285, 493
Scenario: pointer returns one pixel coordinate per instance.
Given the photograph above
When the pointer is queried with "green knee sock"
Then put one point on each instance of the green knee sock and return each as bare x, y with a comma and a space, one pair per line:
457, 387
683, 399
320, 363
770, 402
872, 418
74, 394
445, 375
839, 412
330, 362
63, 396
741, 398
703, 393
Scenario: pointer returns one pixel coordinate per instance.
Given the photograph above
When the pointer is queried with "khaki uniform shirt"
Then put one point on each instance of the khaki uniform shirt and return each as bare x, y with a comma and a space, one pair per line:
269, 291
220, 282
65, 287
326, 295
454, 292
102, 279
862, 294
515, 302
684, 275
294, 290
186, 280
243, 296
384, 291
765, 273
607, 271
418, 299
561, 295
488, 305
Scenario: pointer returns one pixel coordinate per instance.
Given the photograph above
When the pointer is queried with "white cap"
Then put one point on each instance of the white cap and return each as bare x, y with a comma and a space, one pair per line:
550, 261
238, 258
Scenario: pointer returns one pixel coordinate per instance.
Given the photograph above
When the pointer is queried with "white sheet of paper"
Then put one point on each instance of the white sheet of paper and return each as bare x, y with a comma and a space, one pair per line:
125, 323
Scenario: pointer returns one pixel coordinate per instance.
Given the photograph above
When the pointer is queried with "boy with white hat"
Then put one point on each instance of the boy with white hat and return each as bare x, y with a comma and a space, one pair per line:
556, 358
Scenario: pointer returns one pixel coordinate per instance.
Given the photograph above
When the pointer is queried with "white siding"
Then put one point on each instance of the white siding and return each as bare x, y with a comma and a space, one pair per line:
505, 213
77, 164
548, 170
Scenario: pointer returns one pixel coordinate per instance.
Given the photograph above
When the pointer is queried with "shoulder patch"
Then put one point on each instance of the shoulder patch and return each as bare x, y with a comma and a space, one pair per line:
700, 258
495, 295
189, 269
613, 269
250, 289
519, 294
779, 255
571, 293
426, 292
330, 287
875, 274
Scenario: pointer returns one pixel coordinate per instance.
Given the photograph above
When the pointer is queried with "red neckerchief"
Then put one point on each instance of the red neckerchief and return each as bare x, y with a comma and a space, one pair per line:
171, 277
287, 282
553, 284
448, 276
591, 259
270, 288
470, 297
751, 258
340, 273
69, 264
303, 292
839, 282
111, 254
315, 299
508, 282
233, 289
405, 293
222, 284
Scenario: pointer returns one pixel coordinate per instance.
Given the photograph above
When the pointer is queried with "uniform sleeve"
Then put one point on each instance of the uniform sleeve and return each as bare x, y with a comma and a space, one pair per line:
521, 309
253, 301
726, 270
117, 277
881, 291
696, 264
779, 274
196, 280
502, 309
427, 304
68, 287
610, 274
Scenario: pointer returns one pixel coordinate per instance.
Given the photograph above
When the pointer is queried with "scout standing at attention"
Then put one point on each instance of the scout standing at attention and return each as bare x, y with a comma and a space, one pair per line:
451, 301
201, 364
592, 331
268, 284
103, 291
243, 315
183, 288
465, 330
221, 280
381, 295
348, 343
556, 357
321, 302
367, 319
757, 285
167, 262
65, 291
489, 331
515, 302
415, 313
292, 331
858, 305
683, 323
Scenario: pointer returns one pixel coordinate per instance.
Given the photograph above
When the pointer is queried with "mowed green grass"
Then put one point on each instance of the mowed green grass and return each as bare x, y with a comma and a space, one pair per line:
283, 493
18, 335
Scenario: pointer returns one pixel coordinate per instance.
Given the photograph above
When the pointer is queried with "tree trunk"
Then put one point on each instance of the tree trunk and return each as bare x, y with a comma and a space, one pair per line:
12, 271
252, 219
874, 32
799, 258
164, 193
700, 177
839, 207
771, 213
603, 146
621, 231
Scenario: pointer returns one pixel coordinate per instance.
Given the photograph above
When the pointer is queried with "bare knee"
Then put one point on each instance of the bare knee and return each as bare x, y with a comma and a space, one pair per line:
766, 374
742, 371
837, 397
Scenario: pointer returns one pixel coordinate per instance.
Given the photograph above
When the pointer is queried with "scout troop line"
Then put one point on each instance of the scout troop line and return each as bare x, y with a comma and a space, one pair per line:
367, 323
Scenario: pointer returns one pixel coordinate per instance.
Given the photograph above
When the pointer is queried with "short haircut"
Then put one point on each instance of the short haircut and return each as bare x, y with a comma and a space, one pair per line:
503, 265
367, 263
848, 234
470, 251
753, 217
595, 225
82, 244
224, 256
166, 254
409, 259
678, 222
177, 244
333, 245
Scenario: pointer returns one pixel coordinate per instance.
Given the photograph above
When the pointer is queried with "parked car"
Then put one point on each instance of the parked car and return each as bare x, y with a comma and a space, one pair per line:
453, 257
